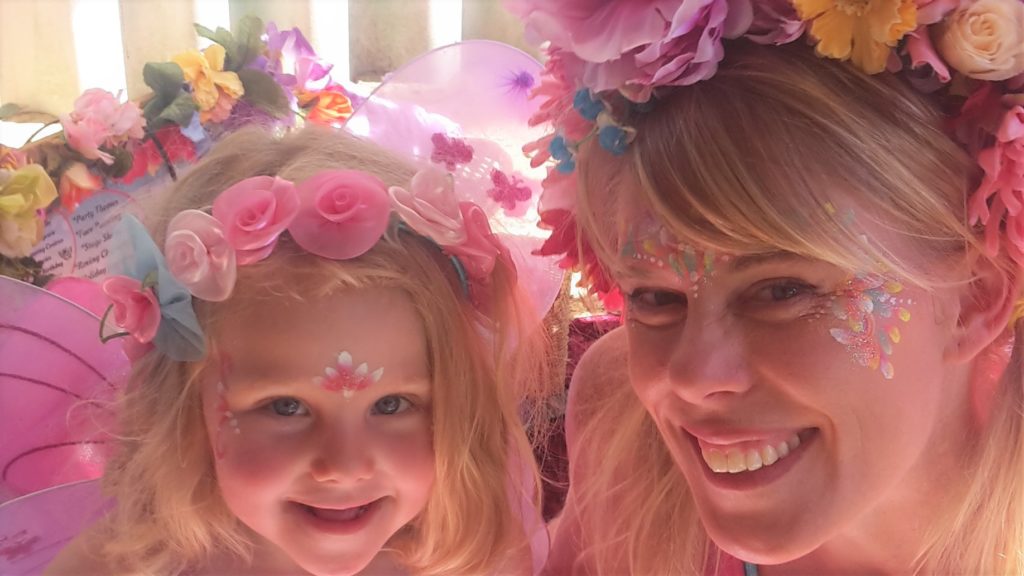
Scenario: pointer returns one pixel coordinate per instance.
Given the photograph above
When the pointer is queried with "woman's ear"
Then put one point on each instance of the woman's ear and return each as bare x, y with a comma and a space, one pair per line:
986, 307
984, 336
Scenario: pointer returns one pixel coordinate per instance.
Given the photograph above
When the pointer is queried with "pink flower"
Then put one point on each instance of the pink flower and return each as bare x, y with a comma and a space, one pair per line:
254, 212
136, 309
199, 256
100, 120
481, 247
925, 61
430, 208
931, 11
636, 45
1000, 197
342, 214
775, 22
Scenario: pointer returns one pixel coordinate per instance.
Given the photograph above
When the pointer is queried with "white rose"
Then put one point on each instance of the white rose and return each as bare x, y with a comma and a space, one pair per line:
984, 39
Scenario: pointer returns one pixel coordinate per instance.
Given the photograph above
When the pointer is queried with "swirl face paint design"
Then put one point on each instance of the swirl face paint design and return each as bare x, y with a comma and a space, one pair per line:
870, 309
342, 376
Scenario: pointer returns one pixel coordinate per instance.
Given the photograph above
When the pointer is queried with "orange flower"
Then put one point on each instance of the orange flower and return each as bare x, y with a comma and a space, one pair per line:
863, 31
76, 185
330, 106
11, 159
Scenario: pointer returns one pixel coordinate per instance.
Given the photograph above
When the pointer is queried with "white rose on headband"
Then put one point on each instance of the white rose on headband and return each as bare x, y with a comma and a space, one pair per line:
984, 39
430, 207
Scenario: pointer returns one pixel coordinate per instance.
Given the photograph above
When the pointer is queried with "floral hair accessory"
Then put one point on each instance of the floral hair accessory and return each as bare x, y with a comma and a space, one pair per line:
335, 214
609, 60
149, 303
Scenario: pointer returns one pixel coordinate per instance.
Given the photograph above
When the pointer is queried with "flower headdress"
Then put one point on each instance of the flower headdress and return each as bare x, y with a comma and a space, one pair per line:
335, 214
609, 59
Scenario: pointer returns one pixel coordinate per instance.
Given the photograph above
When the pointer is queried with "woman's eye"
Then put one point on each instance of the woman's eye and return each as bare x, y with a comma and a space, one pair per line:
783, 291
654, 299
389, 405
288, 407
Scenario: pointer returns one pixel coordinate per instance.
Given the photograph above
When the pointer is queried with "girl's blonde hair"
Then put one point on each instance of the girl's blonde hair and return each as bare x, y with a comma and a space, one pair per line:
170, 515
760, 158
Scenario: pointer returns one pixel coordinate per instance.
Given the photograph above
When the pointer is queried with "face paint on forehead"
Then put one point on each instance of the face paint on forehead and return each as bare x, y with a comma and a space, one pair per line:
651, 243
342, 376
870, 311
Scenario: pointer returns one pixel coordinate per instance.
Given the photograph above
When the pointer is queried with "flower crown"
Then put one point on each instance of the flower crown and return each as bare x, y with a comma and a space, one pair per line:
335, 214
610, 61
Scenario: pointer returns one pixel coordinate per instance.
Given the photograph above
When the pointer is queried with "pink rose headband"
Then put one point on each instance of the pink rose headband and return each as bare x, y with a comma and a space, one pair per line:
607, 62
336, 214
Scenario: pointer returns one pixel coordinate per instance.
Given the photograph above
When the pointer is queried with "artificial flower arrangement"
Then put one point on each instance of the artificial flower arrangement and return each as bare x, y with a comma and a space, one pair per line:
968, 53
256, 75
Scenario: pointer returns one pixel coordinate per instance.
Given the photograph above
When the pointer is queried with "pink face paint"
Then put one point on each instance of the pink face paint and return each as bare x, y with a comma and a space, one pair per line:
342, 376
653, 244
871, 312
225, 417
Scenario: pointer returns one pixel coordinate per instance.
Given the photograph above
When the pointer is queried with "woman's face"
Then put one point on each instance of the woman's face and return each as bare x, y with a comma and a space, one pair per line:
801, 401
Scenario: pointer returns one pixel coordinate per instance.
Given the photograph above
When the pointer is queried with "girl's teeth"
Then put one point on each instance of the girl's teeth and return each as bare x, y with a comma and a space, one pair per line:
734, 461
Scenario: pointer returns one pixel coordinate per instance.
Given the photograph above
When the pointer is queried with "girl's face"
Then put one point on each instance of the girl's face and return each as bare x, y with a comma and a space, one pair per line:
802, 402
321, 425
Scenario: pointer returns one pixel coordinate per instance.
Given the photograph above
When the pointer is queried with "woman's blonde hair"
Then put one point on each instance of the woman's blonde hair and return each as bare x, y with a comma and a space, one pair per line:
170, 515
760, 158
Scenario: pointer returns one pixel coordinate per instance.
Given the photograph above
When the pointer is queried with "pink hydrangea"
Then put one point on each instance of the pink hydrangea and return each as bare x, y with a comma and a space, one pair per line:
100, 120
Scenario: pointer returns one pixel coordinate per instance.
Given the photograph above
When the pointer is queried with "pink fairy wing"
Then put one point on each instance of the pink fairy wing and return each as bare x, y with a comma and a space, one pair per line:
57, 383
34, 528
476, 92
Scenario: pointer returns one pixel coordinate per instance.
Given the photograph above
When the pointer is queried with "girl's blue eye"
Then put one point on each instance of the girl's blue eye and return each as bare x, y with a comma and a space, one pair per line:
389, 405
288, 407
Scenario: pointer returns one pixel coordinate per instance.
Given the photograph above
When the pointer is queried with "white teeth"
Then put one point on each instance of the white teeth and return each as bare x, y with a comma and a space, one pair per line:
734, 461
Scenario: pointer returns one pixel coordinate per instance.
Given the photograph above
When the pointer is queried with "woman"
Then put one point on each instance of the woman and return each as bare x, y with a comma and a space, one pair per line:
819, 370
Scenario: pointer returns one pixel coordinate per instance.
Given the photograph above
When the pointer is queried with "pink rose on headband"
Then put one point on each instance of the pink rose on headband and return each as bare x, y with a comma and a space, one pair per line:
342, 214
254, 212
430, 207
481, 247
984, 39
199, 256
136, 310
99, 119
636, 45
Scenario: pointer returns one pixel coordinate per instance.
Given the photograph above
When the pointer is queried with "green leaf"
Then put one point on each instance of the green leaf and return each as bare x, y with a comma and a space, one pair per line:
248, 43
179, 111
8, 110
221, 36
165, 78
263, 92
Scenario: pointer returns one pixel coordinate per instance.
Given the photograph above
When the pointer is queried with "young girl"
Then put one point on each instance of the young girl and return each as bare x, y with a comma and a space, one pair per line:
820, 366
323, 381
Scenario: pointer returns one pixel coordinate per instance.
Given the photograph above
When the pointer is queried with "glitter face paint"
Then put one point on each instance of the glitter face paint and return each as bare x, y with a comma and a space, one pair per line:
870, 311
651, 243
342, 376
225, 417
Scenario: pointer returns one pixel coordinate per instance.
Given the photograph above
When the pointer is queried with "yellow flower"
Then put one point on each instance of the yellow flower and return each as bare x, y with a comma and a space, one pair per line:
23, 196
863, 31
212, 87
